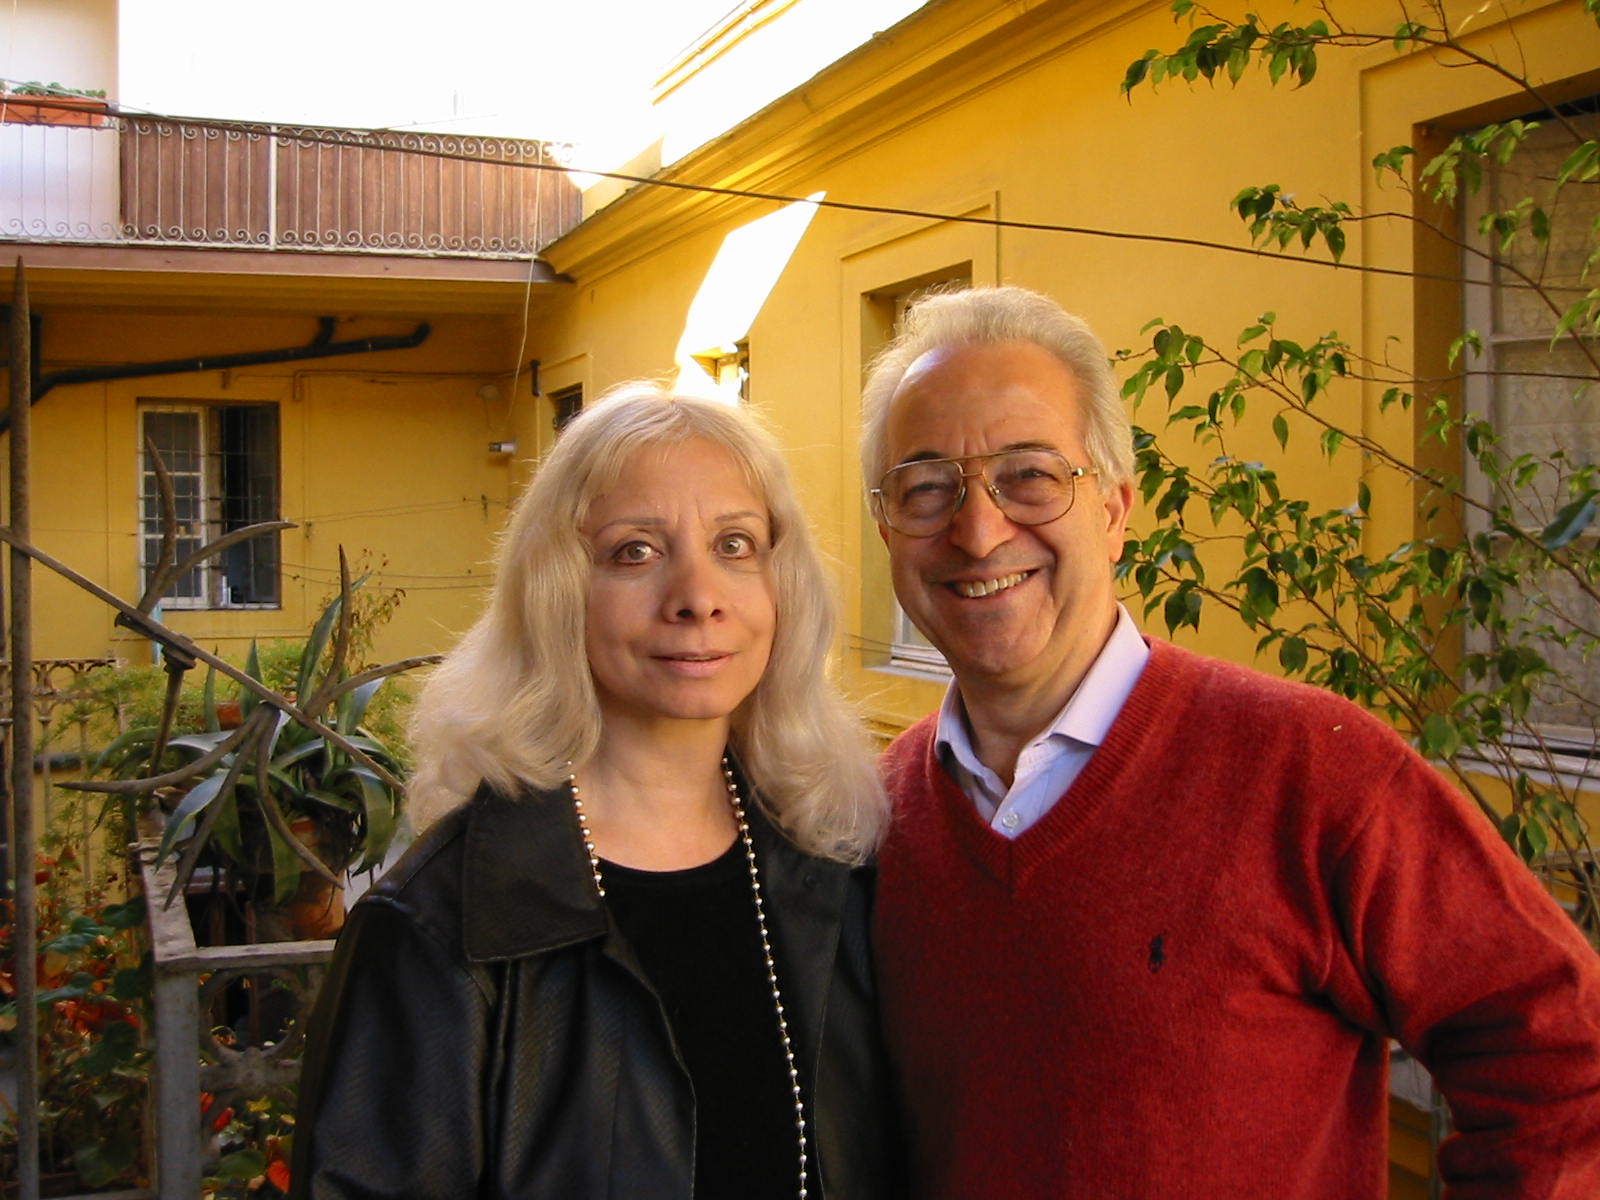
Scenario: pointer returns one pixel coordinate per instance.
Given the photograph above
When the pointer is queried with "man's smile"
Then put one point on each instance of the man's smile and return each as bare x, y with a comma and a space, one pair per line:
974, 589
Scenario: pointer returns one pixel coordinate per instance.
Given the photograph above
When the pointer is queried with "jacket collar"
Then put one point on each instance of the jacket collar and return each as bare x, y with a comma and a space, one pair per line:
526, 883
527, 886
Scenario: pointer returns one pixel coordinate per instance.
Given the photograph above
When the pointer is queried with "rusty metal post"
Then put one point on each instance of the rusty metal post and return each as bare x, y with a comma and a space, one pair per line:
27, 932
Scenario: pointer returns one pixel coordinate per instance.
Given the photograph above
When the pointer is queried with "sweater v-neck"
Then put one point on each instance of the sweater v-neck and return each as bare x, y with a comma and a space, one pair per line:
1081, 809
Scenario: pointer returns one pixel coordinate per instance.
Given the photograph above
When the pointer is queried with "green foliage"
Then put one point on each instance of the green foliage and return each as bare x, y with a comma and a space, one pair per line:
255, 1140
1283, 51
1373, 626
1393, 160
1276, 219
274, 797
34, 88
1458, 639
1458, 169
290, 774
109, 701
93, 992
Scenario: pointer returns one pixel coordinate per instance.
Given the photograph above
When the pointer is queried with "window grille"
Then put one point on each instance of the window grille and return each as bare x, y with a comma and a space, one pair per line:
223, 464
1534, 393
568, 403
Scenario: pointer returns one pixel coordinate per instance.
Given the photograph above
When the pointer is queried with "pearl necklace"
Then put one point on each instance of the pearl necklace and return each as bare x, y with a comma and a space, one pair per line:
761, 927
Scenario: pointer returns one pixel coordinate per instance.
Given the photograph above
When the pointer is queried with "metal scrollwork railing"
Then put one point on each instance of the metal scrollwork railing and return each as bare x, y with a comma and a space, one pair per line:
175, 181
55, 686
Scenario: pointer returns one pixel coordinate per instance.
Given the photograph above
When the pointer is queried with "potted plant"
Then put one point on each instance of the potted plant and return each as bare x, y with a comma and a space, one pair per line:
37, 103
278, 809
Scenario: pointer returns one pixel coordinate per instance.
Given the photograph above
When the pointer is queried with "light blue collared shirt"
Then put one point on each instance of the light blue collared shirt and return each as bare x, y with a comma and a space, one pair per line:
1051, 761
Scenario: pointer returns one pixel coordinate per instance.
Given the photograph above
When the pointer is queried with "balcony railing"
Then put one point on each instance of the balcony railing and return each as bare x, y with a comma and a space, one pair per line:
116, 179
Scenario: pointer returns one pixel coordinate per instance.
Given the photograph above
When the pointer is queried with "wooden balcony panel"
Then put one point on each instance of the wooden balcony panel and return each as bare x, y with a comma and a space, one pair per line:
187, 183
198, 183
416, 201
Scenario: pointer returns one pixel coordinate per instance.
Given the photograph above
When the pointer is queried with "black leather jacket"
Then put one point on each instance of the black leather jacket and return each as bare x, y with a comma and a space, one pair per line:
484, 1030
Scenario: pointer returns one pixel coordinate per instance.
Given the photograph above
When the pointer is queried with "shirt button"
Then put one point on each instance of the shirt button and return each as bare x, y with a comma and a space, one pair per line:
1009, 820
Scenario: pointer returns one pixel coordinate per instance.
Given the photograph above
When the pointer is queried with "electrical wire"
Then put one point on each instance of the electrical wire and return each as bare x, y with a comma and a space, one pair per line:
328, 137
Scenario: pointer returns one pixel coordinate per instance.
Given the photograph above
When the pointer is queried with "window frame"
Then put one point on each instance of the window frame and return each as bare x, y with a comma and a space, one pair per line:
909, 649
566, 403
214, 590
1570, 744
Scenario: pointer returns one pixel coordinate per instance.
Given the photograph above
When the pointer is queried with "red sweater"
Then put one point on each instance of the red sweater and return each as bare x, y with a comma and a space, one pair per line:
1180, 982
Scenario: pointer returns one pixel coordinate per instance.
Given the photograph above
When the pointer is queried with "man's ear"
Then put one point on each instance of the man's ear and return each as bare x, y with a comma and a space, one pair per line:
1118, 503
883, 532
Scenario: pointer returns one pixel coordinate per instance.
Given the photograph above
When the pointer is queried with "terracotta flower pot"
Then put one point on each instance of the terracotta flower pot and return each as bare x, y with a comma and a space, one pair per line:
316, 910
51, 110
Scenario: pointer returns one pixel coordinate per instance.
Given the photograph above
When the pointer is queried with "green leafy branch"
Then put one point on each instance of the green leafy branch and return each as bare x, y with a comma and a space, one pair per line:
1222, 47
1226, 47
1403, 630
1294, 375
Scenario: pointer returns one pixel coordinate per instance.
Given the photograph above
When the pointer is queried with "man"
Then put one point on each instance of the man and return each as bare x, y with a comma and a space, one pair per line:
1146, 920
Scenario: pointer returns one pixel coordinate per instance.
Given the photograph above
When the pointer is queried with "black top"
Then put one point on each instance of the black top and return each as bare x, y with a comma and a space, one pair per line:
694, 933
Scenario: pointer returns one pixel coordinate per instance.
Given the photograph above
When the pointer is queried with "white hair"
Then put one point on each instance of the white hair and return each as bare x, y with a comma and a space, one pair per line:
513, 704
986, 316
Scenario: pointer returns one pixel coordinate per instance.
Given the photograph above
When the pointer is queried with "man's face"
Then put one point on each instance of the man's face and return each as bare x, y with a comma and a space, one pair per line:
1052, 602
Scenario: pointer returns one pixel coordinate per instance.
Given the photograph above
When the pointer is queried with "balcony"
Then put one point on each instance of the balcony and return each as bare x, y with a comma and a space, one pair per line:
109, 179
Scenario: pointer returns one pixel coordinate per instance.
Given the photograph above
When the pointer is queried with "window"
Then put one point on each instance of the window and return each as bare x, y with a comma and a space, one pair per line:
568, 403
908, 648
729, 369
223, 463
1530, 390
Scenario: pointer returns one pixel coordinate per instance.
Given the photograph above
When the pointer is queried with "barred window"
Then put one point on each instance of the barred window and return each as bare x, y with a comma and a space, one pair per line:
223, 464
1536, 393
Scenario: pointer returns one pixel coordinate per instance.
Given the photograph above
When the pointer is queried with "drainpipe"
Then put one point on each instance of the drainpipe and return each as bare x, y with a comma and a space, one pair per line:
321, 346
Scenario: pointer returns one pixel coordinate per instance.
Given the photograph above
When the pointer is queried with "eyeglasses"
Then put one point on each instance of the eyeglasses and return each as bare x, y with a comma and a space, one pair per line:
1032, 487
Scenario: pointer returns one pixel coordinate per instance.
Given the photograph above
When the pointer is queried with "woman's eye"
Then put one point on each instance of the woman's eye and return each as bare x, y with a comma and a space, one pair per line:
633, 552
736, 545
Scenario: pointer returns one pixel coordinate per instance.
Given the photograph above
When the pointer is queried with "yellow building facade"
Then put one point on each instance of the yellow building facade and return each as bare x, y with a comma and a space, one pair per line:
980, 122
973, 142
386, 455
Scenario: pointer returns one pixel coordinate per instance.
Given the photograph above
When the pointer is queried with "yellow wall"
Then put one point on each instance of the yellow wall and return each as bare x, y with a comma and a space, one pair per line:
71, 42
1011, 111
975, 109
384, 454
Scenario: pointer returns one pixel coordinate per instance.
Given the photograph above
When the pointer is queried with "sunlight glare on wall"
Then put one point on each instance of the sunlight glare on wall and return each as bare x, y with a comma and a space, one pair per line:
736, 285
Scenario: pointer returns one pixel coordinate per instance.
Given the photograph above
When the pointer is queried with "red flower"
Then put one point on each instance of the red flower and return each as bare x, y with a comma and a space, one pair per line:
278, 1174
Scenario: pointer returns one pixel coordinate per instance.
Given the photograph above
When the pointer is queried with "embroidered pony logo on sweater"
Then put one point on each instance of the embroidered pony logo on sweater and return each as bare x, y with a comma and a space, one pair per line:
1158, 952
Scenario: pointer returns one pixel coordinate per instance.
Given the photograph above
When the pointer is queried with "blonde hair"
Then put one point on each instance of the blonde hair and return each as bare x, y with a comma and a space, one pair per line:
514, 703
985, 316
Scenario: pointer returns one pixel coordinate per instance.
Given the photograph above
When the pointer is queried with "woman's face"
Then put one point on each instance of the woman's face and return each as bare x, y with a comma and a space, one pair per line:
681, 605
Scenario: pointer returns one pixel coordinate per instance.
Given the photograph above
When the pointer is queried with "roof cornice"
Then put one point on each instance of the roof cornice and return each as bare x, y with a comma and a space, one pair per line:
939, 55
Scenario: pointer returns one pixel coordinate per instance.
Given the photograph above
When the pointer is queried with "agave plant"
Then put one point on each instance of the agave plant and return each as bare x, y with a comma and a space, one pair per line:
304, 787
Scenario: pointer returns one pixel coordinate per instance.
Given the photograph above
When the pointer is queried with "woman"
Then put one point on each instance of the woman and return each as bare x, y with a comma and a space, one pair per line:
634, 963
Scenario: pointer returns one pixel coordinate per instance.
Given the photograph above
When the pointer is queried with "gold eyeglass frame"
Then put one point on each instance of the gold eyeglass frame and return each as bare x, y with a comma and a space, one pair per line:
881, 510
